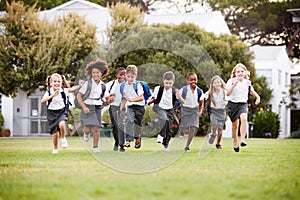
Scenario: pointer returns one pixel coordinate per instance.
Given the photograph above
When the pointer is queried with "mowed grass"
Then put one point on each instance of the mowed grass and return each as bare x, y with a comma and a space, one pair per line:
265, 169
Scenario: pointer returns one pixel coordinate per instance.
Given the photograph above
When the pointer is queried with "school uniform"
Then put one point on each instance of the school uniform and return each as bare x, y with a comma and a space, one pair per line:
165, 111
237, 100
56, 109
189, 110
135, 111
94, 103
113, 87
217, 112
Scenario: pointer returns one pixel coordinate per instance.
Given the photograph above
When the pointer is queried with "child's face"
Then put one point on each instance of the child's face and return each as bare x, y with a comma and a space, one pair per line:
168, 84
121, 76
240, 73
192, 81
96, 74
56, 83
130, 77
217, 83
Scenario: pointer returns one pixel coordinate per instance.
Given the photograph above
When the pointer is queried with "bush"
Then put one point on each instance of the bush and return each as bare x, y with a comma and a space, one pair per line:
1, 120
266, 125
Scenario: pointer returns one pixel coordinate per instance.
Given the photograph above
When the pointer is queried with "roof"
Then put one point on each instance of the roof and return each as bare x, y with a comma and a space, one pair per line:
267, 52
296, 14
210, 22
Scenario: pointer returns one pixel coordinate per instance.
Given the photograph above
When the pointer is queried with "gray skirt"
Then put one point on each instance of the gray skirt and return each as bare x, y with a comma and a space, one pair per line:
93, 118
236, 109
189, 117
218, 118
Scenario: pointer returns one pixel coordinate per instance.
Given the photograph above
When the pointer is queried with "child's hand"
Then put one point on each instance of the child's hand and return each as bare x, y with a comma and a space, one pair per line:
56, 92
235, 80
177, 93
86, 110
80, 83
199, 113
257, 101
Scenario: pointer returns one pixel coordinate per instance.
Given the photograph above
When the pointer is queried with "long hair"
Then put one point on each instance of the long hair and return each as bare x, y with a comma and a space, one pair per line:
238, 65
212, 89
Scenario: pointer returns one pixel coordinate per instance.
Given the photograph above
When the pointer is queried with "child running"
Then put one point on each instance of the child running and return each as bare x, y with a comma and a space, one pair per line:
114, 98
192, 109
56, 98
217, 113
164, 98
91, 107
238, 87
133, 96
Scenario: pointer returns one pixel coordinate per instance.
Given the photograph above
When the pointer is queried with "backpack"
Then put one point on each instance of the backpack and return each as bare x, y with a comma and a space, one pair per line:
147, 91
88, 92
65, 98
184, 92
175, 101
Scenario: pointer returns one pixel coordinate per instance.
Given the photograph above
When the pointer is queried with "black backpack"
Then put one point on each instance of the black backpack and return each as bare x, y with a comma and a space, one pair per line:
88, 92
65, 98
175, 101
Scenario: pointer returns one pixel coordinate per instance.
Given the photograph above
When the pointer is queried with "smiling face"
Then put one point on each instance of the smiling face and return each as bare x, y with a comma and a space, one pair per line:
168, 84
56, 82
217, 84
130, 77
240, 73
121, 76
192, 80
96, 74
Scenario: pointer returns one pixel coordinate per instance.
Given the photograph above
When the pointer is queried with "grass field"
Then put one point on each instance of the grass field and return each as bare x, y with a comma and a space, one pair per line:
265, 169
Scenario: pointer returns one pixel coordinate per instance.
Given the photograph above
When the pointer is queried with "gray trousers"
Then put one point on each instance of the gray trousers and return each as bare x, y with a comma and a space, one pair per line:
134, 122
117, 125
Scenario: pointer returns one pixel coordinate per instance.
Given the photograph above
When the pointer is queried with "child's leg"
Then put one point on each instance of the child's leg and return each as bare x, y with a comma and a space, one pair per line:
191, 135
213, 135
220, 133
95, 130
244, 126
235, 125
86, 129
55, 140
62, 128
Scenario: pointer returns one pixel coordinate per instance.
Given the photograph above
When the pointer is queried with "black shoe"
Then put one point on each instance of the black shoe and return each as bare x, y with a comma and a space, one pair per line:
122, 149
115, 148
243, 144
236, 149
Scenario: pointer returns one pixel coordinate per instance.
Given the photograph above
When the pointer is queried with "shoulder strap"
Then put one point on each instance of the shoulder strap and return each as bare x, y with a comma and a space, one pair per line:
159, 94
112, 85
89, 87
184, 92
63, 95
199, 92
103, 87
122, 89
50, 100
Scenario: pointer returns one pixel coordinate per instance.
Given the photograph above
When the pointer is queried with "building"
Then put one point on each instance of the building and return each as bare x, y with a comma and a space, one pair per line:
26, 116
274, 63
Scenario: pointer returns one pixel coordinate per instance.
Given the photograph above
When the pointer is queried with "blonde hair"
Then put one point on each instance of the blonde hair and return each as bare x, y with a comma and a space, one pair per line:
131, 69
55, 75
212, 89
238, 65
169, 75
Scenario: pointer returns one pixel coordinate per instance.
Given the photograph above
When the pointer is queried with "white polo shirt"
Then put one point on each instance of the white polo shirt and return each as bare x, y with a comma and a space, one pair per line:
57, 102
240, 91
113, 87
96, 91
166, 98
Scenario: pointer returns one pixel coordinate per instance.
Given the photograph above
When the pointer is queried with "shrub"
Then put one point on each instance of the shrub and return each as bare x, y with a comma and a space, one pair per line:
1, 120
266, 125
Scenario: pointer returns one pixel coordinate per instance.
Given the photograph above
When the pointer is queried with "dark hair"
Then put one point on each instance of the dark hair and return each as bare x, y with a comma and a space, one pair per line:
190, 74
120, 69
101, 65
169, 75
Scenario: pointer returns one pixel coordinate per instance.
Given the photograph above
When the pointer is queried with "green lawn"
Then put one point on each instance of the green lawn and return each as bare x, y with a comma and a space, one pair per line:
265, 169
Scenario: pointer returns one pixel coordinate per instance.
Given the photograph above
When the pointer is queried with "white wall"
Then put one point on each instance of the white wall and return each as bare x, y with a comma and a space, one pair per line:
7, 112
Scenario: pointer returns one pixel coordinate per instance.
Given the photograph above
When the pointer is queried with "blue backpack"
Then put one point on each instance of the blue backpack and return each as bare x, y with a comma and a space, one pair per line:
147, 91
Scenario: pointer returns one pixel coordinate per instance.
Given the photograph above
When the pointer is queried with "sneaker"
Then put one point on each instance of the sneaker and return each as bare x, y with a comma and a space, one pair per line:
86, 137
159, 138
166, 148
212, 138
55, 151
187, 149
115, 148
63, 143
96, 150
122, 149
243, 144
218, 146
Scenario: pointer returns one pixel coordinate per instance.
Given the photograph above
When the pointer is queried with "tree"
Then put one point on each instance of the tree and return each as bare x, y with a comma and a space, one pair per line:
262, 22
33, 48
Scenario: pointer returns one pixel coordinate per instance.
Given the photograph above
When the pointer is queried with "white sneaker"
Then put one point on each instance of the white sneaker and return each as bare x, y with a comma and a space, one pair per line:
86, 137
55, 151
96, 150
166, 148
64, 143
159, 138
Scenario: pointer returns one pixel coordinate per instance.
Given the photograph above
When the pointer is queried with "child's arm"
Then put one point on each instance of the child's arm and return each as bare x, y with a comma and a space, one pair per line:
201, 106
123, 102
81, 103
151, 100
254, 93
47, 98
76, 87
230, 89
179, 97
137, 99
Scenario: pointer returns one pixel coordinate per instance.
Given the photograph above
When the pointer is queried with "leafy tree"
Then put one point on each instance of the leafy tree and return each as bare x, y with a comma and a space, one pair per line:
32, 48
262, 22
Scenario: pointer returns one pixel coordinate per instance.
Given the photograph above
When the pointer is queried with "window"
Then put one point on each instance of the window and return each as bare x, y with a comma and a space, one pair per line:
287, 77
0, 103
266, 73
279, 77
